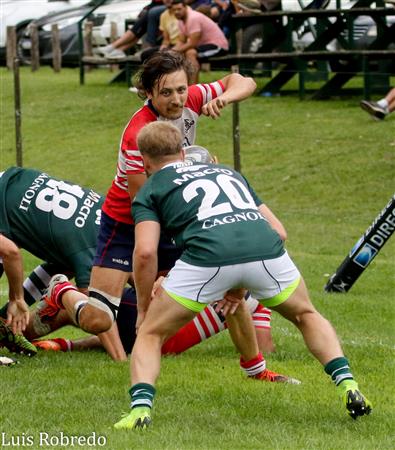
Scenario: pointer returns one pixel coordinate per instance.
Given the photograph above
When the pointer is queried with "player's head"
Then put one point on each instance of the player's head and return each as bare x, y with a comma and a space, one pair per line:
198, 154
164, 80
159, 143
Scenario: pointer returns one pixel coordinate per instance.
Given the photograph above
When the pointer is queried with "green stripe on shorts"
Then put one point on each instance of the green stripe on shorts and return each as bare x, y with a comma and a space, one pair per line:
192, 305
282, 296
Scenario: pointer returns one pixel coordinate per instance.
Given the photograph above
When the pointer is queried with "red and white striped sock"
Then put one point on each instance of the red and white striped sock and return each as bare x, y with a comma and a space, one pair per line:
254, 366
261, 317
66, 345
204, 325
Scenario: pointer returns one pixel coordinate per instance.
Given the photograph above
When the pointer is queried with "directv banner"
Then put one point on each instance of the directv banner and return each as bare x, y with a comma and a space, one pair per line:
364, 251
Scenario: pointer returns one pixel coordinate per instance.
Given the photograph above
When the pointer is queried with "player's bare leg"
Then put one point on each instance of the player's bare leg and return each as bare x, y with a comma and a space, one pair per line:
37, 327
163, 318
321, 339
265, 340
96, 313
242, 332
110, 283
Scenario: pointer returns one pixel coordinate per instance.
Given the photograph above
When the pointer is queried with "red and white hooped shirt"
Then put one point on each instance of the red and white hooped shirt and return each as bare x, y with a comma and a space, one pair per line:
117, 203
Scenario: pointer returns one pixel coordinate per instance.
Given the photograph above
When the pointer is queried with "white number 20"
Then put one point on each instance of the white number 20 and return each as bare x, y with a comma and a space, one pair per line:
230, 186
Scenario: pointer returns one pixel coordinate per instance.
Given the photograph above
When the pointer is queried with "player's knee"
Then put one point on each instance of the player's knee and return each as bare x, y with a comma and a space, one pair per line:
100, 312
306, 317
95, 321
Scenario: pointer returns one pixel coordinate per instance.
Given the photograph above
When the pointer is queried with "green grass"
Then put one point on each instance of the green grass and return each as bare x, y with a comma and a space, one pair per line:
326, 169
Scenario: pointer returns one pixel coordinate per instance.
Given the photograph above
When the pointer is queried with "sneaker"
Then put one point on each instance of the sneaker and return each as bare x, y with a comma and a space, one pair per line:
58, 285
6, 361
273, 377
15, 343
54, 345
356, 404
105, 50
116, 54
374, 109
137, 419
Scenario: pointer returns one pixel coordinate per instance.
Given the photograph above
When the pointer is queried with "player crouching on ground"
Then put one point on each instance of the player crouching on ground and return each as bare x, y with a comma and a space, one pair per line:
212, 213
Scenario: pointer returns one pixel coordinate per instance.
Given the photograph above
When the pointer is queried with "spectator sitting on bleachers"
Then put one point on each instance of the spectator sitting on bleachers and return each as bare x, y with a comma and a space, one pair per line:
168, 27
147, 23
200, 37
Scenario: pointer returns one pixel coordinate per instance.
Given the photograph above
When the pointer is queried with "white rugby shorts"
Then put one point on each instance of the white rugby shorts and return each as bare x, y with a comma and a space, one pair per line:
271, 281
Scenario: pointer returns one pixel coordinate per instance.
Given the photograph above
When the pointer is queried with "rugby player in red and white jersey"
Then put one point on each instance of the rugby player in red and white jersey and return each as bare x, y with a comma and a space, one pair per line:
164, 82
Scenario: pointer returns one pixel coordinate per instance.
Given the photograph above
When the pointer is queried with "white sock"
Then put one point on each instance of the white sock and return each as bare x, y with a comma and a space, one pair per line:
383, 104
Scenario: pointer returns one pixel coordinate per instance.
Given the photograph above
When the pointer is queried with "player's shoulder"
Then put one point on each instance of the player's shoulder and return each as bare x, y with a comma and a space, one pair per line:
14, 174
139, 119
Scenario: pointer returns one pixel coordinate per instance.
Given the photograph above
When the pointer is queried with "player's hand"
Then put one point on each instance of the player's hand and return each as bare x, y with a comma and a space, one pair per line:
213, 108
17, 315
230, 302
156, 287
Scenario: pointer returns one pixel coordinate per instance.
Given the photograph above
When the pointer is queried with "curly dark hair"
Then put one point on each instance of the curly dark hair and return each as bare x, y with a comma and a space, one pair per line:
156, 66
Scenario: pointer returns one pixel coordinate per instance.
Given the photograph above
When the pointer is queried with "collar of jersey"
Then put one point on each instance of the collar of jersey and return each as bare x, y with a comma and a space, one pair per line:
152, 107
185, 163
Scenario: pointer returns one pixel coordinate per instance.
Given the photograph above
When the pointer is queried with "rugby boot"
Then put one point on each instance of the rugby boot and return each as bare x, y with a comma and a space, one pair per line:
58, 285
356, 403
15, 343
273, 377
138, 419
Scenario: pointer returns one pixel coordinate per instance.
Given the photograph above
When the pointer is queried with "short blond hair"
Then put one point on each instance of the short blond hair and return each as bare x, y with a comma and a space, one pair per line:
159, 139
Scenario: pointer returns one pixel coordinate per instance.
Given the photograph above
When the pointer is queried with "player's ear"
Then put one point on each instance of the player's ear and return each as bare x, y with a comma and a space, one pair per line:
214, 160
147, 165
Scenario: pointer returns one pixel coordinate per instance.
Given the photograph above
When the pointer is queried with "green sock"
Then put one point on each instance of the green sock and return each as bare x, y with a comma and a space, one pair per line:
339, 370
142, 395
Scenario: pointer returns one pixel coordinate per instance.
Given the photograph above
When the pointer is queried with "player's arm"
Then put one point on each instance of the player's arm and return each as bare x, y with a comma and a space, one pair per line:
145, 264
18, 311
273, 220
135, 181
165, 39
181, 40
191, 42
236, 88
112, 343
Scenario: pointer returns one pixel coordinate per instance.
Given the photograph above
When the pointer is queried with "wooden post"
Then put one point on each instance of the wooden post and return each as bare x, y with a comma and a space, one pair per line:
11, 47
239, 41
88, 27
236, 130
35, 51
56, 50
18, 114
113, 37
113, 32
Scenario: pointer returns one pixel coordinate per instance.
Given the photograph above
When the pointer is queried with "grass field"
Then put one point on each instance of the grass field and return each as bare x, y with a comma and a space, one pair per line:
326, 169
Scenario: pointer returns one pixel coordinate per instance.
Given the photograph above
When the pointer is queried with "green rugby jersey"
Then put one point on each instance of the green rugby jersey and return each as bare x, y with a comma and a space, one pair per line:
211, 213
54, 220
